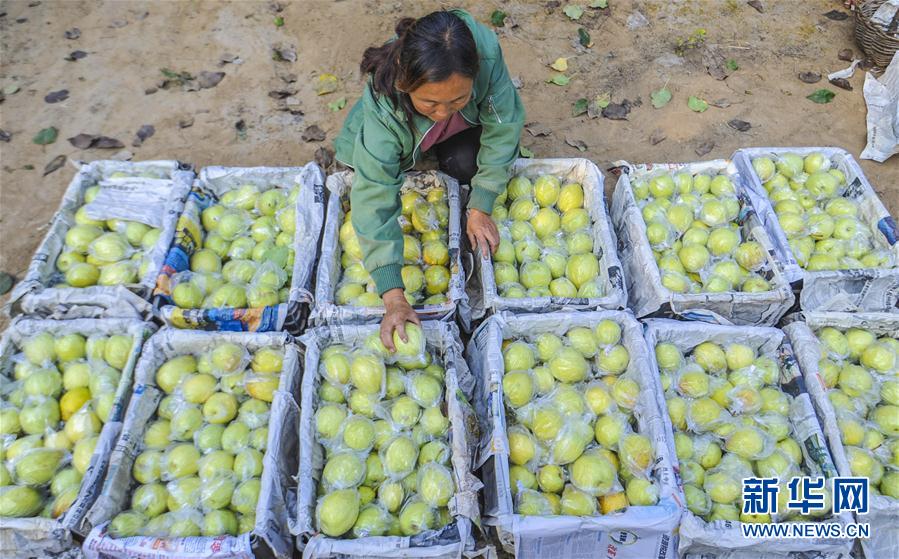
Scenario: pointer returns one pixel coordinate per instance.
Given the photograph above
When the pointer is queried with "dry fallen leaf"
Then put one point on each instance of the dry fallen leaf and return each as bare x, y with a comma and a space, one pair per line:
739, 125
57, 96
313, 134
326, 83
54, 164
209, 79
560, 65
842, 83
809, 77
88, 141
579, 144
536, 129
704, 148
284, 54
616, 111
143, 133
836, 15
324, 157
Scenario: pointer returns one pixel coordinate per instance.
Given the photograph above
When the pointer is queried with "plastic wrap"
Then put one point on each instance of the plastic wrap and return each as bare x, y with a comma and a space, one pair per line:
720, 538
212, 183
24, 537
326, 311
154, 201
868, 289
639, 531
450, 541
883, 515
584, 172
646, 294
277, 493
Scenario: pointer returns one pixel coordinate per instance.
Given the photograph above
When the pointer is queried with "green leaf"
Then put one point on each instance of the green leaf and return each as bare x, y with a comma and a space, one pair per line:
279, 21
498, 18
584, 38
559, 79
602, 4
335, 106
10, 89
660, 98
573, 11
732, 65
821, 96
579, 107
180, 77
603, 99
697, 105
46, 136
525, 152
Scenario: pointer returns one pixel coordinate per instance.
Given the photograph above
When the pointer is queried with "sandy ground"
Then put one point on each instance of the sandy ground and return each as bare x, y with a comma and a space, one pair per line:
113, 89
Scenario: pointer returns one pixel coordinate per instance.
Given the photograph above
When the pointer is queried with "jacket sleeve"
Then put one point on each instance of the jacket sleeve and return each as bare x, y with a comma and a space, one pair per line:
502, 118
376, 203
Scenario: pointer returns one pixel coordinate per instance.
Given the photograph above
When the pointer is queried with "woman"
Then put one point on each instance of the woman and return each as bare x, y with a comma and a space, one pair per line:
442, 84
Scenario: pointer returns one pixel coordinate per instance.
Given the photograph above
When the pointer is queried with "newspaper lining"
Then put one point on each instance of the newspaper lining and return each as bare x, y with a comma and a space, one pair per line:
449, 542
636, 533
277, 492
646, 294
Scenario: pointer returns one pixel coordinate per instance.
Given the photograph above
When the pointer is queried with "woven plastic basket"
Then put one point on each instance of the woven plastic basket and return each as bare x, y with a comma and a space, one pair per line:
879, 44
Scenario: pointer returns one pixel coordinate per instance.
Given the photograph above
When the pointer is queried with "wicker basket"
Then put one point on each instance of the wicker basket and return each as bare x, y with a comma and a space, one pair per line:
871, 38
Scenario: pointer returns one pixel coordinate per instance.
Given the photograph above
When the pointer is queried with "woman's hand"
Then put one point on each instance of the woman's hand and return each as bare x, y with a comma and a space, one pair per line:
482, 232
398, 313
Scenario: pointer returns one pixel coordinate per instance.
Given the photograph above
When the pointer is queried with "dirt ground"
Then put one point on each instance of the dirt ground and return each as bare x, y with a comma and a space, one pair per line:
115, 89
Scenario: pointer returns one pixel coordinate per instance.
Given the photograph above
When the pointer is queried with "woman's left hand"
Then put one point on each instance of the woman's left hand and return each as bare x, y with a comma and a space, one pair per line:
482, 232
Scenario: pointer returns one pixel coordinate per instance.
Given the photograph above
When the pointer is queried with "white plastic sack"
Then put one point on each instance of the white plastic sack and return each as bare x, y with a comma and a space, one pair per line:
882, 99
636, 533
326, 311
865, 290
646, 294
884, 511
585, 173
723, 539
449, 542
153, 201
25, 537
278, 490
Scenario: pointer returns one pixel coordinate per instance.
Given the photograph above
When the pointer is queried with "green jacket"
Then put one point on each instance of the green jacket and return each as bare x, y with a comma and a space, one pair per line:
377, 142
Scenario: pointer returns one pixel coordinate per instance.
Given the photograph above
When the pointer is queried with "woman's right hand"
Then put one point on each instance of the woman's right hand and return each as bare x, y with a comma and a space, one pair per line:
398, 313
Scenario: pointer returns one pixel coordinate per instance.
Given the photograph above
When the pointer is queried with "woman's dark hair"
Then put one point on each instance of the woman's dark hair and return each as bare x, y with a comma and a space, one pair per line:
427, 50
